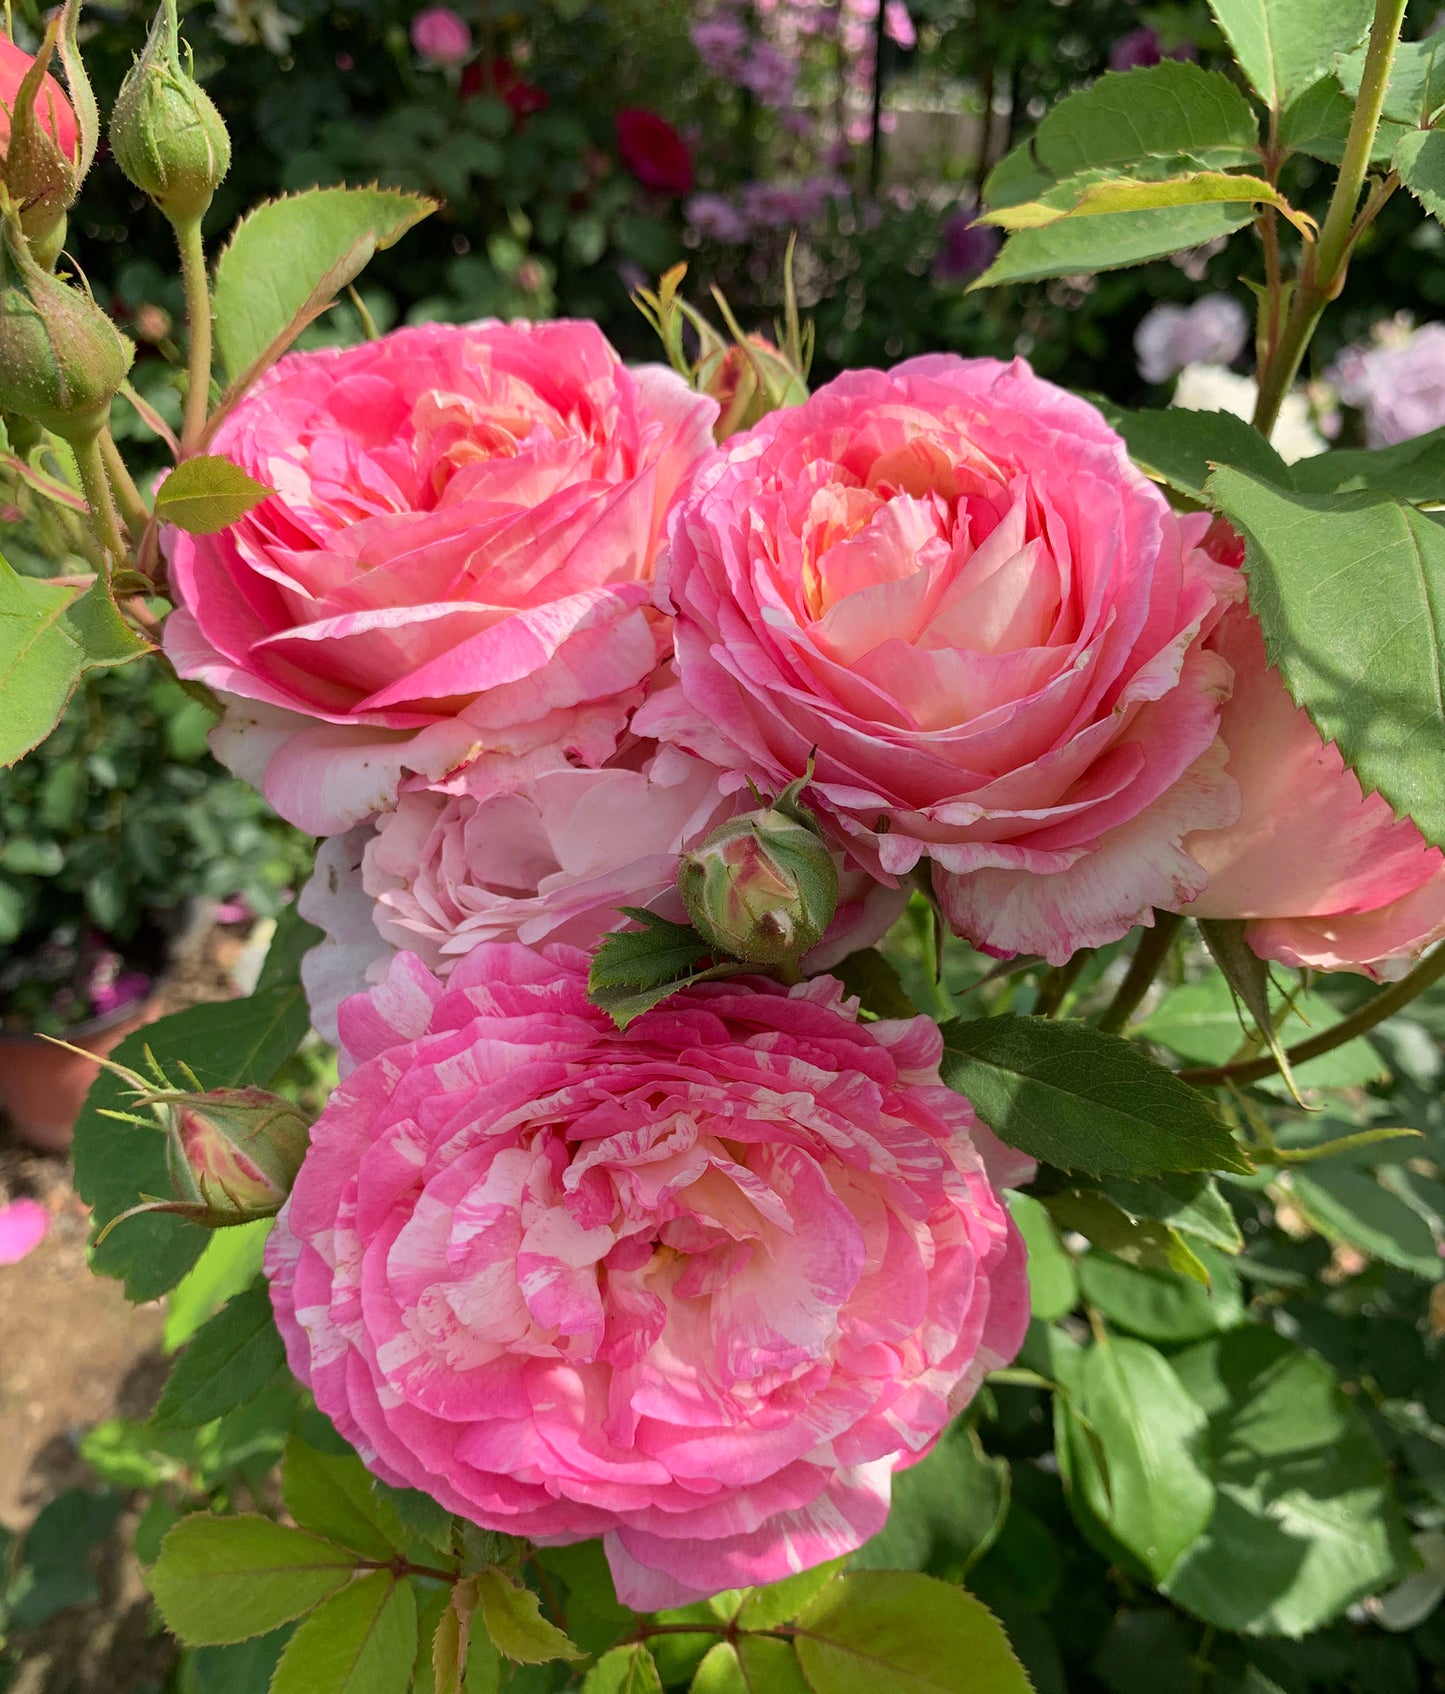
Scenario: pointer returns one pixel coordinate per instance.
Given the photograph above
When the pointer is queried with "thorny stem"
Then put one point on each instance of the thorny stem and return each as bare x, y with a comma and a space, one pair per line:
1322, 272
1149, 955
198, 320
1385, 1004
96, 487
128, 498
1059, 981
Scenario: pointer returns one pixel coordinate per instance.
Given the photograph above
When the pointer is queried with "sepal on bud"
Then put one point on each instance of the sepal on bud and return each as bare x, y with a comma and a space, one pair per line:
165, 131
763, 886
232, 1153
61, 359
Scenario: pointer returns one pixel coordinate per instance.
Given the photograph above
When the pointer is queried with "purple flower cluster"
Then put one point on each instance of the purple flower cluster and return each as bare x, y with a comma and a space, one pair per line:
1212, 331
758, 206
1399, 383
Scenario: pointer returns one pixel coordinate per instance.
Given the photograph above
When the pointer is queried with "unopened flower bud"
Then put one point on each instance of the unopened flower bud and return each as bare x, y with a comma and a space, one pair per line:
762, 886
40, 151
61, 358
234, 1153
748, 380
165, 131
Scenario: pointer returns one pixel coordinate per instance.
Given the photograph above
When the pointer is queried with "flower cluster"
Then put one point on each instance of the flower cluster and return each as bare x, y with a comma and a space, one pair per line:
524, 645
1398, 382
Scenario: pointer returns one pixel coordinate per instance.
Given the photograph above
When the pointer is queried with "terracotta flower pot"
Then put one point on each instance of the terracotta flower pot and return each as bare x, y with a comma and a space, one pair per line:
42, 1087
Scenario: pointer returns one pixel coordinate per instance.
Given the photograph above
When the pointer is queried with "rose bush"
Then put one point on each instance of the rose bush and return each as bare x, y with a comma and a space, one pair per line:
949, 581
698, 1287
456, 562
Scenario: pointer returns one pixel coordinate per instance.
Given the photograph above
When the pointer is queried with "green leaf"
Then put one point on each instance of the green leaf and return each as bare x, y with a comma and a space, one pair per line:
289, 259
1350, 591
1306, 1521
1053, 1286
753, 1664
1181, 448
1086, 196
230, 1361
228, 1044
644, 958
780, 1602
1161, 113
1137, 1241
876, 982
50, 636
1160, 1306
1347, 1205
946, 1513
1083, 1100
513, 1616
245, 1667
625, 1670
53, 1571
230, 1263
1420, 160
1412, 471
424, 1518
222, 1579
1192, 1204
1248, 977
331, 1495
890, 1632
362, 1641
1416, 89
207, 494
1283, 46
1109, 242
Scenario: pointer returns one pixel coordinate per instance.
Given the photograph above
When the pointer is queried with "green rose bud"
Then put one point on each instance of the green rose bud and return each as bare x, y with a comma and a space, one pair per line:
61, 358
762, 886
233, 1153
165, 131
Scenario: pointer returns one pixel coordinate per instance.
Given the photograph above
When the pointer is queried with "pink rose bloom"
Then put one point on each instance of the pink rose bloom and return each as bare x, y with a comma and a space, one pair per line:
950, 582
440, 35
1328, 876
456, 561
549, 858
699, 1287
24, 1224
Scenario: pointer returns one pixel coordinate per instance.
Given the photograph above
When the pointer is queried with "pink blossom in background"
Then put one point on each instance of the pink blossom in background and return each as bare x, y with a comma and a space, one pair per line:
455, 565
654, 151
24, 1224
1399, 383
440, 35
897, 25
1327, 875
550, 859
948, 583
721, 40
698, 1287
1141, 48
1211, 331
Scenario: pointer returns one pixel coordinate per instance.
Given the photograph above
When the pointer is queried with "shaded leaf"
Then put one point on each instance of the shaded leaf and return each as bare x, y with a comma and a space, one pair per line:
1161, 1306
1136, 1241
1350, 591
947, 1511
229, 1362
1416, 89
331, 1495
1083, 1100
1192, 1204
1347, 1205
1053, 1285
1181, 448
1413, 471
1420, 160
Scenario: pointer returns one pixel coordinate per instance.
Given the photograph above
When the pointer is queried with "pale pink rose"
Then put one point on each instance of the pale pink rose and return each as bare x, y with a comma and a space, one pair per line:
699, 1287
440, 35
456, 562
549, 858
1328, 875
949, 584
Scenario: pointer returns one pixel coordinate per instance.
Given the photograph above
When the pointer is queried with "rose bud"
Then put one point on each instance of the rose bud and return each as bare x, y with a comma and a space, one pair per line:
61, 358
748, 380
165, 131
762, 886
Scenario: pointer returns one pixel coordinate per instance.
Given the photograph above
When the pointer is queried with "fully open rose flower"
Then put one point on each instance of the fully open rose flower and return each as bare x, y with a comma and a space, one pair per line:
948, 584
699, 1287
456, 561
549, 858
1327, 875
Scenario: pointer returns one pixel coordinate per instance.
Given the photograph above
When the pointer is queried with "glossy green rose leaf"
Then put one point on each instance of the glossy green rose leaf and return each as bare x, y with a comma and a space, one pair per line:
360, 1641
1350, 591
1181, 448
1283, 46
1083, 1100
229, 1361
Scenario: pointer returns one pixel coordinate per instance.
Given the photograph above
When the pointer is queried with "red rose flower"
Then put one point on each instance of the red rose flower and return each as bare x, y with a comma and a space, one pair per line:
653, 151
